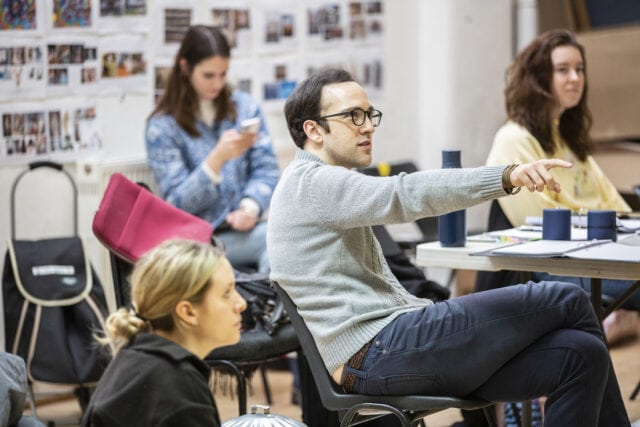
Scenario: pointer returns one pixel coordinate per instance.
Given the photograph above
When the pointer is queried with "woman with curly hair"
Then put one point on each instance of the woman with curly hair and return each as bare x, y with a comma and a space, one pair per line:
548, 117
546, 101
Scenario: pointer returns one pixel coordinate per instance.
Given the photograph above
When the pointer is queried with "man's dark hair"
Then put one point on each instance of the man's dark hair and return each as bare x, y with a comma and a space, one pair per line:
304, 103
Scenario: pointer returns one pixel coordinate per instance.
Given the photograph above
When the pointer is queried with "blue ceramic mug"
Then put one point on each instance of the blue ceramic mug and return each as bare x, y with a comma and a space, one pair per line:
556, 224
601, 225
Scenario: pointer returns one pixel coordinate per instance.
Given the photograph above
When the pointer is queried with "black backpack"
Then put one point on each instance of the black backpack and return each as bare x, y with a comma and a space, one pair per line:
53, 306
53, 302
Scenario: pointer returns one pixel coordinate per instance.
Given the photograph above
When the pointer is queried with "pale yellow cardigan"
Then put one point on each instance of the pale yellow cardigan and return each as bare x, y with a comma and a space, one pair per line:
583, 186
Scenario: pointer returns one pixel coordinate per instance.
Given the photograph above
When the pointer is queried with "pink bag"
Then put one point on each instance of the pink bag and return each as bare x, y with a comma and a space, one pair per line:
131, 220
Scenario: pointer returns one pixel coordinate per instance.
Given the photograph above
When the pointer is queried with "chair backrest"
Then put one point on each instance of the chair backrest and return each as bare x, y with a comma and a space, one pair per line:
389, 246
326, 386
120, 271
333, 397
633, 198
497, 218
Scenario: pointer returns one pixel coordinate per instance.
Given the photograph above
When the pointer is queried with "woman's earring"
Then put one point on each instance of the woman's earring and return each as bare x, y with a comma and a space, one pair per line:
184, 68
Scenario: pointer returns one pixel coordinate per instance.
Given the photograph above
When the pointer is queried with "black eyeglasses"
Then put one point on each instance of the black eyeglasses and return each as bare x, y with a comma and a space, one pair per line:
358, 116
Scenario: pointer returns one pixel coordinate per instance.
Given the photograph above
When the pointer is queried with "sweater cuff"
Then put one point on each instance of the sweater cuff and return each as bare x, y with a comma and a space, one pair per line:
216, 178
249, 205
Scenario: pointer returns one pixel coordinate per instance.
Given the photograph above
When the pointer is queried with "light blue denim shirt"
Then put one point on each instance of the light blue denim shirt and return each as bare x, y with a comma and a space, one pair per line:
176, 158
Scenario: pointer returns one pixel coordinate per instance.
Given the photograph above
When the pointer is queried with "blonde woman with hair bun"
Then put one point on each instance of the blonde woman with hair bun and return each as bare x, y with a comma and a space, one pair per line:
184, 306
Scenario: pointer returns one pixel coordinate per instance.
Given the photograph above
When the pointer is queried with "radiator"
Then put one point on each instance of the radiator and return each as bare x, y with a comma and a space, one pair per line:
92, 178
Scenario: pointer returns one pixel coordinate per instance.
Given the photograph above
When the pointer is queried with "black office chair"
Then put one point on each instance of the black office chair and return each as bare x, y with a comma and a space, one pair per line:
636, 390
255, 349
633, 198
357, 408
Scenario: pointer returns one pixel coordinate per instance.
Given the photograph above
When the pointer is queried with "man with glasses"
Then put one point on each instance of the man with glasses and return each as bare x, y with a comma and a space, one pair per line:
507, 344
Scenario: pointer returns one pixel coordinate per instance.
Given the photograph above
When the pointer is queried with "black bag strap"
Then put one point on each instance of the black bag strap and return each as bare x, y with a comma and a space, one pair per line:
37, 165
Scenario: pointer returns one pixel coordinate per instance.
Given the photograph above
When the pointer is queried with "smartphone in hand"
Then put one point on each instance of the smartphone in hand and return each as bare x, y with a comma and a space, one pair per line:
251, 125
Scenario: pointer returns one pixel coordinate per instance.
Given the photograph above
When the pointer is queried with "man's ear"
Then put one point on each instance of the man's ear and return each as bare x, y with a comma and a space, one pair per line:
313, 131
185, 312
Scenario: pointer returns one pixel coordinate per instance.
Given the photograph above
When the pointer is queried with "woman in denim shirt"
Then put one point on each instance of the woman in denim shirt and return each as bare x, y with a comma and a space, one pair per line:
202, 161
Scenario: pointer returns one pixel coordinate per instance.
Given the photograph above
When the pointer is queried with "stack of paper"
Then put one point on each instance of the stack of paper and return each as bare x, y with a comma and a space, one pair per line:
546, 248
627, 249
608, 252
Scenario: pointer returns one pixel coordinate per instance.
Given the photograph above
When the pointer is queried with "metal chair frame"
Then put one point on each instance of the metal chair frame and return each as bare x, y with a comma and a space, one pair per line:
354, 409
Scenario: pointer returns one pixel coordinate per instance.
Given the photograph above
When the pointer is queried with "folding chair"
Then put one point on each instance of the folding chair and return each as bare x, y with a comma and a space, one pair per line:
357, 408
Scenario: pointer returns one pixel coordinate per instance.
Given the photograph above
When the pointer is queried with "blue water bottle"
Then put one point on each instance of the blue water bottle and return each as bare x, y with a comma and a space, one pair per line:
452, 227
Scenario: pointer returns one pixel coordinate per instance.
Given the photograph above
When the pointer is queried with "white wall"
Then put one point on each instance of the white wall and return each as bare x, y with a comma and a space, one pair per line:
465, 47
444, 67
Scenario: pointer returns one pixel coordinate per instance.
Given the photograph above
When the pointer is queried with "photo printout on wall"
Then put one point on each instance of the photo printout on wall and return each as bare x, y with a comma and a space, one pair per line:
23, 133
72, 65
69, 14
171, 20
278, 27
60, 130
22, 69
123, 7
236, 23
325, 23
18, 15
365, 21
280, 77
123, 15
124, 64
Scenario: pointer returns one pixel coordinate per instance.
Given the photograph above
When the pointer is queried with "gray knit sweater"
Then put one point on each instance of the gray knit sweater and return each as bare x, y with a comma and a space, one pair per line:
324, 254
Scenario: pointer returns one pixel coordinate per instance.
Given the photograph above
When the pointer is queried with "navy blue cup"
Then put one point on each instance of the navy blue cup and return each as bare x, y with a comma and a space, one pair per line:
601, 225
556, 224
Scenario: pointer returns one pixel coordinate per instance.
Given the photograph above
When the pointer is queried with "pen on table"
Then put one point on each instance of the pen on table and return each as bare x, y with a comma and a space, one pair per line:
530, 228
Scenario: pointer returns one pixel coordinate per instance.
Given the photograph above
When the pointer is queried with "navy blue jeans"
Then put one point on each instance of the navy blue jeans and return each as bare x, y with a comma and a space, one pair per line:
503, 345
611, 287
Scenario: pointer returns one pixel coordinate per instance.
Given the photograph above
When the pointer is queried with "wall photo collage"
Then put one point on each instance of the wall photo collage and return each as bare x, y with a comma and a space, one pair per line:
58, 57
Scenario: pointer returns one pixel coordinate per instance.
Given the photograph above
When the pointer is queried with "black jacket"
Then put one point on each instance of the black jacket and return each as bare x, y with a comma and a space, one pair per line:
153, 382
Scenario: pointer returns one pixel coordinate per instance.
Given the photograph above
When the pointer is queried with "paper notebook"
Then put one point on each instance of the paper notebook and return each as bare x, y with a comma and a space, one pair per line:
627, 249
545, 248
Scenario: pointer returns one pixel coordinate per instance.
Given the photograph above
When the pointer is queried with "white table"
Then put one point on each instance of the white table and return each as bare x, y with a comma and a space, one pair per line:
433, 255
